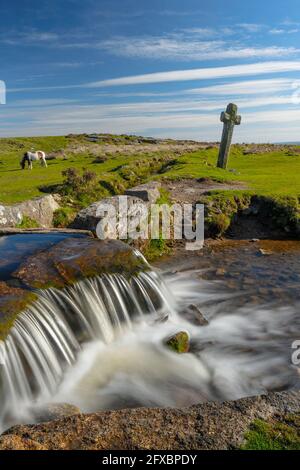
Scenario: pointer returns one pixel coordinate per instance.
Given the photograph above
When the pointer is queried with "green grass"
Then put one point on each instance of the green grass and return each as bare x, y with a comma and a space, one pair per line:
27, 222
275, 173
63, 217
116, 173
157, 247
18, 185
267, 174
274, 435
164, 197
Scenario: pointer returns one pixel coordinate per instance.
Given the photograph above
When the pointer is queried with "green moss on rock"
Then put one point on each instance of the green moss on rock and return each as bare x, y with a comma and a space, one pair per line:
75, 259
179, 343
12, 302
274, 435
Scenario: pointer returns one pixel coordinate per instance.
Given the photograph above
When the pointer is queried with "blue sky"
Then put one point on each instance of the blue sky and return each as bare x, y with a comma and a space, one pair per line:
159, 68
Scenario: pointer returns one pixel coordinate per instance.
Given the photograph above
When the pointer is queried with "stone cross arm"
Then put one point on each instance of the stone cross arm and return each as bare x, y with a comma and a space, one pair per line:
225, 117
230, 115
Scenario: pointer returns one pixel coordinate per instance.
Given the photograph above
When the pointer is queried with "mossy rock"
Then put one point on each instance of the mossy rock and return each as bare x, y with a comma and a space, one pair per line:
63, 265
75, 259
179, 343
12, 301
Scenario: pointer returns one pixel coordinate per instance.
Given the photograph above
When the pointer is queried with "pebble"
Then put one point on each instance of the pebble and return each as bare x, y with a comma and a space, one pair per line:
265, 252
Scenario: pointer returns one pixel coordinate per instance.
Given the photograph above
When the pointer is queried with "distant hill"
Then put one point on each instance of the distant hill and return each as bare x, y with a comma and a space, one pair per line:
287, 143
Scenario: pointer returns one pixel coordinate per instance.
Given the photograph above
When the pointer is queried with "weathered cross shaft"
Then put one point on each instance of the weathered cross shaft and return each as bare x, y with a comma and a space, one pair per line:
230, 118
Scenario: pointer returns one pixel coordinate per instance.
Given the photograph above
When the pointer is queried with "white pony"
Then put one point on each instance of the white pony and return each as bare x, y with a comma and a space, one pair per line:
30, 157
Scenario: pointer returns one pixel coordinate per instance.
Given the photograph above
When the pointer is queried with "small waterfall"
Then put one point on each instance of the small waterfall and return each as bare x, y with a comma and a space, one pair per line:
100, 345
46, 338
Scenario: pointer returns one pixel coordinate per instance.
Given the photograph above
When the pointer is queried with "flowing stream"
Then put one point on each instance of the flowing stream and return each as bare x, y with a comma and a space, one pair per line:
100, 344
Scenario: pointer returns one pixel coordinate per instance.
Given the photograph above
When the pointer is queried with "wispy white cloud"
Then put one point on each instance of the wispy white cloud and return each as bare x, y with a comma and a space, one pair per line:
279, 31
288, 22
42, 88
201, 74
180, 12
138, 13
186, 49
203, 32
40, 102
172, 107
28, 37
246, 87
204, 126
249, 87
251, 27
189, 44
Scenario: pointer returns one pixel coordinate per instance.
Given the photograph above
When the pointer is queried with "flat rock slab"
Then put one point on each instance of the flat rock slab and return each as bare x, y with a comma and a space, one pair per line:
74, 259
148, 192
190, 190
206, 426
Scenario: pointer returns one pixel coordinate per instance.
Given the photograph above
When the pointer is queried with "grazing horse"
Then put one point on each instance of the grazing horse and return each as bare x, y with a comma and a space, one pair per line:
30, 157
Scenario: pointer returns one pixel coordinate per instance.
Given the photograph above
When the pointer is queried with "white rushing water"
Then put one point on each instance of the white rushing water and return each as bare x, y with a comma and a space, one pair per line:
100, 344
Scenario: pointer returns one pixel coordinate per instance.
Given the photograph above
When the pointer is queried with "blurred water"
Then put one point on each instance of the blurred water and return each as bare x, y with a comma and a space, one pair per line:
15, 248
100, 344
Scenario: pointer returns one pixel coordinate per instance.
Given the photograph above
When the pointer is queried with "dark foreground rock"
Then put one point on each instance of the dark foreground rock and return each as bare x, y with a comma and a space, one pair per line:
74, 259
205, 426
13, 442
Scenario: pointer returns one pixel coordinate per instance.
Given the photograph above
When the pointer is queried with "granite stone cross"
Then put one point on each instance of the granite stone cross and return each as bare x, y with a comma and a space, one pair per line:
230, 118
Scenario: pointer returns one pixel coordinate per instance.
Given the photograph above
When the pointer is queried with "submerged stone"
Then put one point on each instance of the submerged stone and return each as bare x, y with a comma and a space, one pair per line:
265, 252
180, 342
194, 315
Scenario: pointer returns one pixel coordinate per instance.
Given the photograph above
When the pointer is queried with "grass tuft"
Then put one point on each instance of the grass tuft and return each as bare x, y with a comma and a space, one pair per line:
275, 435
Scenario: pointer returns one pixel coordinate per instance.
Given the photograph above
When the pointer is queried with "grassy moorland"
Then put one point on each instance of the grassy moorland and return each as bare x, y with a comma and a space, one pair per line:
274, 172
119, 159
111, 164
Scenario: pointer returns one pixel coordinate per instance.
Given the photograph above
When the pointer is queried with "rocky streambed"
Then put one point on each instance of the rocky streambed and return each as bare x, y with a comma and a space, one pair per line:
238, 301
207, 426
